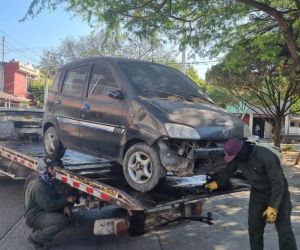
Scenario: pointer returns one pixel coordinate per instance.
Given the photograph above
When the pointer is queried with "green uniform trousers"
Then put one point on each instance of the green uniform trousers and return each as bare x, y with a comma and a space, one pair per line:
47, 225
257, 224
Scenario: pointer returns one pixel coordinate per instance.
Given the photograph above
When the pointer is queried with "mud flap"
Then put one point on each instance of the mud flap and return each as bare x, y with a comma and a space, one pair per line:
137, 223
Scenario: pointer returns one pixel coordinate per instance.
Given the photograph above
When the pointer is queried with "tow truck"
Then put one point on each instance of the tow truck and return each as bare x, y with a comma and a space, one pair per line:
99, 183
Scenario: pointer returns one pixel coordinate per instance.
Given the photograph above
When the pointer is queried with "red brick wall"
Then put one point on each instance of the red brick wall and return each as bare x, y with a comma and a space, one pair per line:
20, 85
14, 81
9, 76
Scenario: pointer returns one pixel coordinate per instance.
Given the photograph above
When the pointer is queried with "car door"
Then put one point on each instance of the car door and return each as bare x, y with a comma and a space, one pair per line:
67, 105
102, 113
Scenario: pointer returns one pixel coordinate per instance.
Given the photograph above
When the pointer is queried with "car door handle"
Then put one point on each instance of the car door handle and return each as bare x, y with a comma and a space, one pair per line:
86, 107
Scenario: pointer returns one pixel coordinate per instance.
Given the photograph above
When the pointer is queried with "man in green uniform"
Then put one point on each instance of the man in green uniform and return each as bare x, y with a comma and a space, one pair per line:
269, 195
45, 211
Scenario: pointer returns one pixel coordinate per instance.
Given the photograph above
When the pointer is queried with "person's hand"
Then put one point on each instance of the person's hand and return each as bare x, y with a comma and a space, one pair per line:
270, 215
68, 212
71, 199
211, 186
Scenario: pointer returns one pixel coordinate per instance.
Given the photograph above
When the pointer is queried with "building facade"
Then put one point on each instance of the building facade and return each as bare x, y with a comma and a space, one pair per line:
259, 123
17, 79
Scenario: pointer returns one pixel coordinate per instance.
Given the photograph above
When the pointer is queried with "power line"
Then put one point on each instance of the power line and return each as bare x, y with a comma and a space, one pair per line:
27, 57
34, 49
25, 49
20, 51
13, 38
32, 58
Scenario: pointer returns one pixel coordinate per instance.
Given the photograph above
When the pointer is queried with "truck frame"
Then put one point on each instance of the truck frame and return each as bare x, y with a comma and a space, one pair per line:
98, 186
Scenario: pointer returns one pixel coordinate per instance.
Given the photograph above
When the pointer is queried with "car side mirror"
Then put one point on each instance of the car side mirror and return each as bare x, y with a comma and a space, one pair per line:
116, 94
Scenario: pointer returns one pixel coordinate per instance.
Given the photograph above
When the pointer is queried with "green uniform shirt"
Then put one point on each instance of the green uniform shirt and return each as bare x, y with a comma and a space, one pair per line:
263, 172
41, 197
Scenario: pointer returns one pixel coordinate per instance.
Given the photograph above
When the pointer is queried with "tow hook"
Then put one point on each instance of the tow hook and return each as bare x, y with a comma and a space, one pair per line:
205, 219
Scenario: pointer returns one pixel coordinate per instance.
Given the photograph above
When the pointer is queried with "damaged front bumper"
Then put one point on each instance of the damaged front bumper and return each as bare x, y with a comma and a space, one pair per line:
203, 152
180, 157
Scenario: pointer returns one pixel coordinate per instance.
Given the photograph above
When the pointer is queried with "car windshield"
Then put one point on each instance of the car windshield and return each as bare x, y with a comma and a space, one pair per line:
158, 81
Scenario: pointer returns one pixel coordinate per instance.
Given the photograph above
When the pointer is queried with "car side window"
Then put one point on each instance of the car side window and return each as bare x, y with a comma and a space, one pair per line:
101, 80
74, 80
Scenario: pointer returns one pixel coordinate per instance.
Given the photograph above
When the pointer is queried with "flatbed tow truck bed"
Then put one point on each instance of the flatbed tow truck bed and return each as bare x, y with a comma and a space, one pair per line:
100, 183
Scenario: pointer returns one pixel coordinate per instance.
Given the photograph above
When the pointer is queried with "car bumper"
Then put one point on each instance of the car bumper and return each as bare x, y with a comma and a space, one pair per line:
203, 152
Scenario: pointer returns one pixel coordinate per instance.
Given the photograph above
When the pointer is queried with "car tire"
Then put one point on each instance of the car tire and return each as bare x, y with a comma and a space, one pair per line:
53, 146
142, 168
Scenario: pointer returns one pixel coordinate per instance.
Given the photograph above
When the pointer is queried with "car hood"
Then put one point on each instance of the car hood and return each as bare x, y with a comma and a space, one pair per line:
211, 121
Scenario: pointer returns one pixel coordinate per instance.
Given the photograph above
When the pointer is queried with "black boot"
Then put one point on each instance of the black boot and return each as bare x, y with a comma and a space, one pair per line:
36, 245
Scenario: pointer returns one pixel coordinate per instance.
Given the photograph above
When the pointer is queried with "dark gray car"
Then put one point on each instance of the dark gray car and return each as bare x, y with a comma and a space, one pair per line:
150, 118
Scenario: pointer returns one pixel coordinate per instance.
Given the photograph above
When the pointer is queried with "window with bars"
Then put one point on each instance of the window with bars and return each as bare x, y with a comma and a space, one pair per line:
74, 80
101, 80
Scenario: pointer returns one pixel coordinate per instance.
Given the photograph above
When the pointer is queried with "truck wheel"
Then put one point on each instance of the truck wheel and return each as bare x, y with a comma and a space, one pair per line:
142, 167
53, 146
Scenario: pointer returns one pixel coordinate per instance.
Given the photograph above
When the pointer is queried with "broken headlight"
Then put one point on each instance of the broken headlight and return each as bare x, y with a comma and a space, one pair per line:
179, 131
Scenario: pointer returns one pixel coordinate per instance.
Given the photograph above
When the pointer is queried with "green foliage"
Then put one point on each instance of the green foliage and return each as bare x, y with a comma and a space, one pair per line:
260, 38
287, 148
101, 43
209, 27
218, 94
296, 107
267, 85
37, 89
193, 74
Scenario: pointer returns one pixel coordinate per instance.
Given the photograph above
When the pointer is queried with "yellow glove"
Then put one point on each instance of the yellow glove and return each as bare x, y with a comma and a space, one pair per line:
270, 214
212, 186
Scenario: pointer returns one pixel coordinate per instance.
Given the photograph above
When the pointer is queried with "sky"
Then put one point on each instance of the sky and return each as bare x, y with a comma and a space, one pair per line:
25, 41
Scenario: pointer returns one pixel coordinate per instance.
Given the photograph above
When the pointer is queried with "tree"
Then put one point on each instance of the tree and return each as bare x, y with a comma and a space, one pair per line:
212, 25
37, 89
218, 94
98, 43
271, 86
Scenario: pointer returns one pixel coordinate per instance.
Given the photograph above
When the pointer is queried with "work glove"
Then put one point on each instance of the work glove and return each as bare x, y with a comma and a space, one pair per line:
212, 186
270, 215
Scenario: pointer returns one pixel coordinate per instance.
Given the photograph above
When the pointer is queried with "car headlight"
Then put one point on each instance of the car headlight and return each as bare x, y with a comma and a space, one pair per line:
181, 131
247, 132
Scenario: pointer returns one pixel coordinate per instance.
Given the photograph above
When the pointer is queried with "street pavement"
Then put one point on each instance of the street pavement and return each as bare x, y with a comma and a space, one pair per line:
229, 231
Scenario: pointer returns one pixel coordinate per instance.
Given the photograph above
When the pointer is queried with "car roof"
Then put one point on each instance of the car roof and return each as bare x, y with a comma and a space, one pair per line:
103, 59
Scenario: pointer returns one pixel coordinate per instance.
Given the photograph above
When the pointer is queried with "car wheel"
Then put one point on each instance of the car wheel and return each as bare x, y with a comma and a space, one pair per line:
142, 167
53, 146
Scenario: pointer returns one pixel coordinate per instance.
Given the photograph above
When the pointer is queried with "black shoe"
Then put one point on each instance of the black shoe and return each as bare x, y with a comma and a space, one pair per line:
36, 245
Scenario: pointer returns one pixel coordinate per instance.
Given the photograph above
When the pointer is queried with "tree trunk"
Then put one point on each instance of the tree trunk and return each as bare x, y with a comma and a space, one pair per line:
283, 24
277, 133
297, 160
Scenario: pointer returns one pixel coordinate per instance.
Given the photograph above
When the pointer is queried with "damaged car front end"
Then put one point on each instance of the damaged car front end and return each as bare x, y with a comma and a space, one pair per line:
190, 154
169, 114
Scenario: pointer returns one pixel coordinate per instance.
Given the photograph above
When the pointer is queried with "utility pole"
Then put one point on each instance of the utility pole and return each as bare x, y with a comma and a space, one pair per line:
183, 59
2, 65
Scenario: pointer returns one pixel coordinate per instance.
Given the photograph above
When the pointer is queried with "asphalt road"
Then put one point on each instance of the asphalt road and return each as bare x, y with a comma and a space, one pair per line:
228, 233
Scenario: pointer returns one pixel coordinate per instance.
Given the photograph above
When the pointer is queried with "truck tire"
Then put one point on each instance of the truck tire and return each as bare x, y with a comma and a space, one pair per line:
53, 146
142, 168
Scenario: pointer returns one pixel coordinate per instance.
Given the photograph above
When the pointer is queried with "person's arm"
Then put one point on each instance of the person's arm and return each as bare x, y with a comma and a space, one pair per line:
45, 201
224, 176
277, 179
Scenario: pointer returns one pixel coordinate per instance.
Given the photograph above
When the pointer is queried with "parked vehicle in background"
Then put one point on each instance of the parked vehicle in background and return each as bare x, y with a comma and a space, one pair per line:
150, 118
